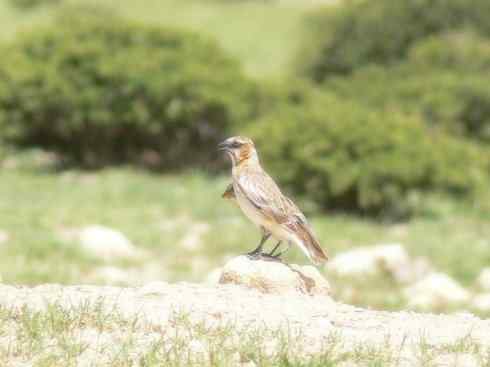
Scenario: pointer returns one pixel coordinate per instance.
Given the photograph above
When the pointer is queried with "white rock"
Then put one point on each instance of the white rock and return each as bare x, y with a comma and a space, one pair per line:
416, 270
192, 239
435, 290
106, 243
4, 237
483, 280
273, 277
456, 360
317, 282
112, 275
481, 302
153, 288
390, 258
132, 276
214, 276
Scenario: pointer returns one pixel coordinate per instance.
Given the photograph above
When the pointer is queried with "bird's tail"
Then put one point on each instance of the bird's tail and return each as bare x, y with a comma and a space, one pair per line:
309, 244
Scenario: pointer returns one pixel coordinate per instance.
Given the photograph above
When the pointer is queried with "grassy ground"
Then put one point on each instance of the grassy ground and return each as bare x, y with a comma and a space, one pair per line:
264, 36
85, 334
157, 213
39, 207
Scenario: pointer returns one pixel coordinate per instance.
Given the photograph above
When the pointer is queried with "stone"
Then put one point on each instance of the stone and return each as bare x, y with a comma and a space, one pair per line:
129, 322
436, 290
269, 276
483, 280
481, 302
389, 259
214, 276
106, 243
194, 232
112, 275
456, 360
153, 288
416, 270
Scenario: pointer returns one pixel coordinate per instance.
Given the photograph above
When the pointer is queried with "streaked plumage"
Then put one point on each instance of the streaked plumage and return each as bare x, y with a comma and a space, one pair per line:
263, 203
229, 193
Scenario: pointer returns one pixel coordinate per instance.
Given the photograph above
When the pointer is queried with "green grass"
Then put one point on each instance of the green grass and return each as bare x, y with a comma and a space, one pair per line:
13, 21
62, 336
156, 212
264, 36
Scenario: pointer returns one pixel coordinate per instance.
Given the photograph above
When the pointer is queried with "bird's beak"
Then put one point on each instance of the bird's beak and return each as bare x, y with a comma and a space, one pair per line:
223, 146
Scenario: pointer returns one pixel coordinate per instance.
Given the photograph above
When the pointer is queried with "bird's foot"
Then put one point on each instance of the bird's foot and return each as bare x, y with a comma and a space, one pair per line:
269, 257
253, 254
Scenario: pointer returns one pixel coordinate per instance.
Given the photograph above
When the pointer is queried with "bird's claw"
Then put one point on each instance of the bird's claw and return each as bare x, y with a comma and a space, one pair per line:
253, 254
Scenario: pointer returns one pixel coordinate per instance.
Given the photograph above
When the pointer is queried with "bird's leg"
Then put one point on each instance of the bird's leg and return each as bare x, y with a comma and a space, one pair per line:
258, 250
274, 249
283, 252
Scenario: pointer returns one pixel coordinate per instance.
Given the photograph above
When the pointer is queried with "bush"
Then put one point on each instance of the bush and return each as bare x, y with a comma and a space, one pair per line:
104, 92
457, 101
345, 156
462, 51
28, 4
382, 31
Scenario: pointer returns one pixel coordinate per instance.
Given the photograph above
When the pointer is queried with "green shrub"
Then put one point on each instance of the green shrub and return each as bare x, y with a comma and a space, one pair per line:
455, 100
363, 32
346, 156
462, 51
104, 92
28, 4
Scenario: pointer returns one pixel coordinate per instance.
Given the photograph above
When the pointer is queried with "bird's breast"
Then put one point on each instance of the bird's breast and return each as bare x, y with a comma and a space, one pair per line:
250, 210
277, 230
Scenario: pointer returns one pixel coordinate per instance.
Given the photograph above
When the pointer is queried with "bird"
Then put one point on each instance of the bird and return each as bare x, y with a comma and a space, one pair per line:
261, 200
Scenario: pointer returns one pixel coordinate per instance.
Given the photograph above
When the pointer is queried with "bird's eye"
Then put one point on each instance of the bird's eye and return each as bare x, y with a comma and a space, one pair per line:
236, 144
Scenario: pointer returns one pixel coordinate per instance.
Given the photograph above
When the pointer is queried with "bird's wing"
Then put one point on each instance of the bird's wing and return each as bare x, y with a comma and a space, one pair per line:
298, 224
262, 192
294, 211
229, 192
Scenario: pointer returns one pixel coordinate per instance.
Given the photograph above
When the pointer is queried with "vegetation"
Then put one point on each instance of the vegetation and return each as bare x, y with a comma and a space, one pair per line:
40, 209
344, 155
103, 92
69, 336
382, 32
28, 4
401, 130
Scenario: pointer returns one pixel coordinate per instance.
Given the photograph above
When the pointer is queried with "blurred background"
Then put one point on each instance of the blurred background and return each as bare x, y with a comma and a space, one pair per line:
374, 115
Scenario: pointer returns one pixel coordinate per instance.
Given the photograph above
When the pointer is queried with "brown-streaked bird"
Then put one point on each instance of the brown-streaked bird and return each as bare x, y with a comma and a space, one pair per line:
263, 203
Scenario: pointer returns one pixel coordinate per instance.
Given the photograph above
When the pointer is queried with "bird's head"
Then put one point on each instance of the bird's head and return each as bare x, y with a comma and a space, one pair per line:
239, 149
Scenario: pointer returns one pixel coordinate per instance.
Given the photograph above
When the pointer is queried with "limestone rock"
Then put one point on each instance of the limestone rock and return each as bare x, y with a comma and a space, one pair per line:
106, 243
481, 302
435, 290
484, 279
192, 240
274, 277
153, 288
130, 276
214, 276
390, 258
112, 275
456, 360
195, 321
